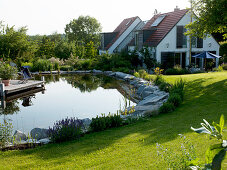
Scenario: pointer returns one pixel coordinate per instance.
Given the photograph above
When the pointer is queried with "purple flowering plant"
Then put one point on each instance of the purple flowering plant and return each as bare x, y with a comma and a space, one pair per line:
65, 130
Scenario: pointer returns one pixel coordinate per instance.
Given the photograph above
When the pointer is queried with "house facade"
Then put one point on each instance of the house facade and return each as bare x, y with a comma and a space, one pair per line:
164, 35
118, 40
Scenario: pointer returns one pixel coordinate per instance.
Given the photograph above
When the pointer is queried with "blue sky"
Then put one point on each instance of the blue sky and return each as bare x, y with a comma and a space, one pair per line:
49, 16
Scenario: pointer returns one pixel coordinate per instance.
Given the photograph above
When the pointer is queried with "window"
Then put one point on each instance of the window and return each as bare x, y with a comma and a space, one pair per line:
136, 39
158, 20
197, 42
181, 38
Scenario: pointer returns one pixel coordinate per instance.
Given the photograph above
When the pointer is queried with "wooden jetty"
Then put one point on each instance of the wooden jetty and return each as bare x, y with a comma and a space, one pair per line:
17, 87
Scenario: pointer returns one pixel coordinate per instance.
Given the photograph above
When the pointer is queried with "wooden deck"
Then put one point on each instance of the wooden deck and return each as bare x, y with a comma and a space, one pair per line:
17, 86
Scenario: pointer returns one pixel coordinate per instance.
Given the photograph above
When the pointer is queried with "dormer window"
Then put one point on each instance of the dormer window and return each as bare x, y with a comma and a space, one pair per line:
158, 20
128, 22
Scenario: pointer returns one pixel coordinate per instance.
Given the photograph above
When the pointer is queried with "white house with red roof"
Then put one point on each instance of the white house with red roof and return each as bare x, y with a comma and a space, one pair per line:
164, 34
119, 39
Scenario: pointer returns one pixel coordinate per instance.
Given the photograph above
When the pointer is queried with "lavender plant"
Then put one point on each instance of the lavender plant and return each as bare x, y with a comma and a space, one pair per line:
65, 130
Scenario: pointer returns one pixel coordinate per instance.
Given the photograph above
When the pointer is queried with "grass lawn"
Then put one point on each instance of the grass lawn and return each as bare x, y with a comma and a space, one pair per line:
134, 146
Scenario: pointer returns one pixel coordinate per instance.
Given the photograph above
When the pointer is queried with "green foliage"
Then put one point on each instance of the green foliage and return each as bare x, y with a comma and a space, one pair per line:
90, 50
143, 74
84, 29
211, 18
176, 71
15, 44
66, 68
178, 88
176, 94
215, 154
105, 122
164, 86
107, 62
219, 127
223, 51
42, 65
220, 68
27, 64
158, 80
148, 59
86, 64
46, 48
5, 133
64, 49
224, 66
175, 99
180, 160
167, 108
7, 72
134, 59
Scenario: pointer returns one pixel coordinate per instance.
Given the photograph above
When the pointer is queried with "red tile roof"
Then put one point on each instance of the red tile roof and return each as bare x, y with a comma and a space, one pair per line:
121, 29
170, 20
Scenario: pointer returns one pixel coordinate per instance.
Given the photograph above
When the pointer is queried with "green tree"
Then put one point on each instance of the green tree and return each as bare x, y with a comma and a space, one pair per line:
91, 51
64, 49
210, 18
46, 48
15, 43
83, 30
80, 50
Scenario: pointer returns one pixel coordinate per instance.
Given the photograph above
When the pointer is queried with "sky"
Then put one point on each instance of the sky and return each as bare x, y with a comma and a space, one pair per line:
49, 16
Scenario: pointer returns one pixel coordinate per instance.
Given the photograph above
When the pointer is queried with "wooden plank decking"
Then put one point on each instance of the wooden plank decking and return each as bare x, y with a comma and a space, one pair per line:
16, 86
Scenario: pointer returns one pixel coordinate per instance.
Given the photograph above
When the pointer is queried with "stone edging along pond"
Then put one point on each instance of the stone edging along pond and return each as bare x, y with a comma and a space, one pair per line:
147, 96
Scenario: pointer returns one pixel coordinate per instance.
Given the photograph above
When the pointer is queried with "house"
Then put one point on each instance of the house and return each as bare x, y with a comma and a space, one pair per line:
164, 35
119, 39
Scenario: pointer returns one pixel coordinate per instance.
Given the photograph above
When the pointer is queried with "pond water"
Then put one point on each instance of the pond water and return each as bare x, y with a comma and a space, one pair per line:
81, 96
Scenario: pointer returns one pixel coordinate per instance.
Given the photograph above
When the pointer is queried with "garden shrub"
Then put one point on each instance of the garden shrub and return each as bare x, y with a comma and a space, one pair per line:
5, 133
164, 86
86, 64
121, 69
224, 66
104, 122
136, 74
42, 65
178, 88
158, 80
167, 108
219, 69
66, 68
142, 73
65, 129
176, 71
175, 99
223, 51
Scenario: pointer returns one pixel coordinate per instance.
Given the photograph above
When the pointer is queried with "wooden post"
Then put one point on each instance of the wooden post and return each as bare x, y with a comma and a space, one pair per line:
2, 89
42, 78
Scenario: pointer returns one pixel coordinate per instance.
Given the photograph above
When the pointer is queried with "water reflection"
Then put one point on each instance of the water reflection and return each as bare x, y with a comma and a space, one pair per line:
79, 96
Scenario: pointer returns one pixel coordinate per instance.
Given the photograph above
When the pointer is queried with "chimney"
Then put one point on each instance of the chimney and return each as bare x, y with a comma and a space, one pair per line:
176, 9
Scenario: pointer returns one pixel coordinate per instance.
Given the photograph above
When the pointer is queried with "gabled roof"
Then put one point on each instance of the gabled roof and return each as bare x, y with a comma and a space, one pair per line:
124, 25
164, 27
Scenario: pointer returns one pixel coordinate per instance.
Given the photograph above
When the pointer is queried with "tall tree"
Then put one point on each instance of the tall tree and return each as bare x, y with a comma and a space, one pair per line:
14, 43
84, 29
211, 17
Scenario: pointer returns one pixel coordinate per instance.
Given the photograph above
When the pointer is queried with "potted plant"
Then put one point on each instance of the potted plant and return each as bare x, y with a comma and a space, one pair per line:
7, 72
